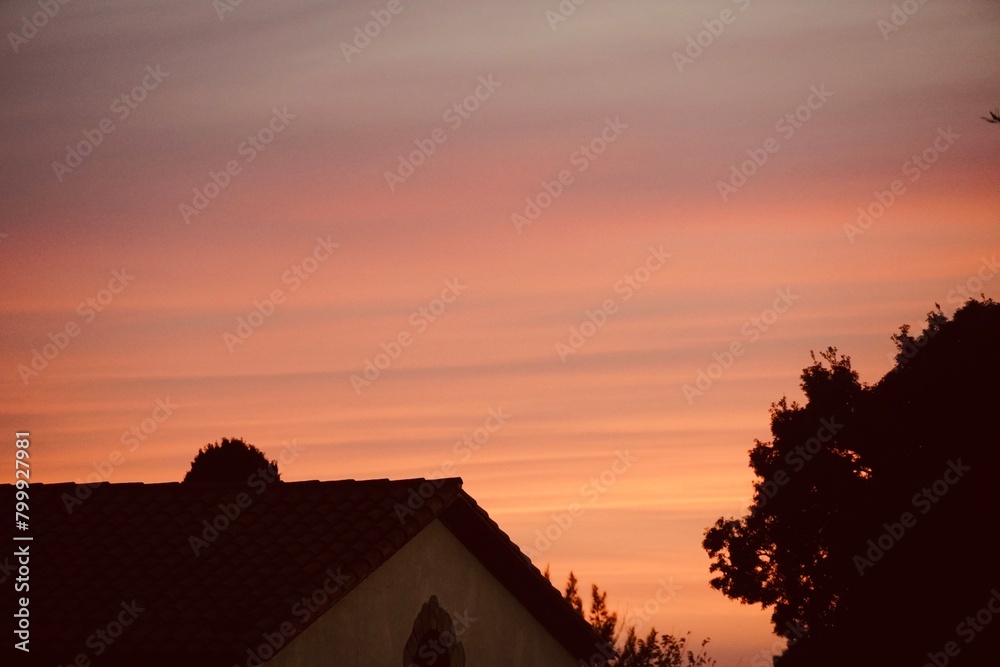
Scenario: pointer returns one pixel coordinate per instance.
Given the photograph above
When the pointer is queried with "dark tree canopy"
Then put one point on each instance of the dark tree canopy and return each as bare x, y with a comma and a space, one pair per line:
229, 462
875, 508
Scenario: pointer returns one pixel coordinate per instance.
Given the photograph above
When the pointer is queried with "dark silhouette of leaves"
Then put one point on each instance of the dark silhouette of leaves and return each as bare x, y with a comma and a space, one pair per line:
875, 507
229, 462
653, 650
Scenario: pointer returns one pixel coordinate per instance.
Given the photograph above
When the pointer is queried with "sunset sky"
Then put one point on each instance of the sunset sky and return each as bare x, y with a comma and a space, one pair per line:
245, 310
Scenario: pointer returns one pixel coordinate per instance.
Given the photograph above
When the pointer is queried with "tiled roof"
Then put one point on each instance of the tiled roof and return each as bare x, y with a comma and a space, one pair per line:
130, 550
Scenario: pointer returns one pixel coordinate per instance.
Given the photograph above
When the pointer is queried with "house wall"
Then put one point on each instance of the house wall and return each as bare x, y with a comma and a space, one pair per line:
371, 625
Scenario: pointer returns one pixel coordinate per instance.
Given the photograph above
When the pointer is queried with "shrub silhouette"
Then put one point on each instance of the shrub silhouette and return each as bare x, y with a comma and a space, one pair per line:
229, 462
624, 647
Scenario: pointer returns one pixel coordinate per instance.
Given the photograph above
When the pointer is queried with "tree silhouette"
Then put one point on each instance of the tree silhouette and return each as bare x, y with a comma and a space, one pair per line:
775, 556
653, 650
602, 620
230, 462
994, 117
572, 596
875, 507
661, 651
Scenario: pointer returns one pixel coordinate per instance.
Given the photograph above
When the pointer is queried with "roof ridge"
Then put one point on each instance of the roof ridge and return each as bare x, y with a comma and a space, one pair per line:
105, 483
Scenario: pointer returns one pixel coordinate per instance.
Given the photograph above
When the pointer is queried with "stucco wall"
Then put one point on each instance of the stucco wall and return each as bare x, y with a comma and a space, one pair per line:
370, 626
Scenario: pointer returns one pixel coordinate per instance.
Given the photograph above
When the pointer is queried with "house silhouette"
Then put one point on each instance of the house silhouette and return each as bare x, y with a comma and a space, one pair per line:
377, 572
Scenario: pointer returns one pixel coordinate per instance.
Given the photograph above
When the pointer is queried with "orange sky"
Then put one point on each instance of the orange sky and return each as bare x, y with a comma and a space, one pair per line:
669, 137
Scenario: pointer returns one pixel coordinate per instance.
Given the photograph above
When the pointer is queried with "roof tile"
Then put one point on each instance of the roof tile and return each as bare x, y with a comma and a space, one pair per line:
210, 583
